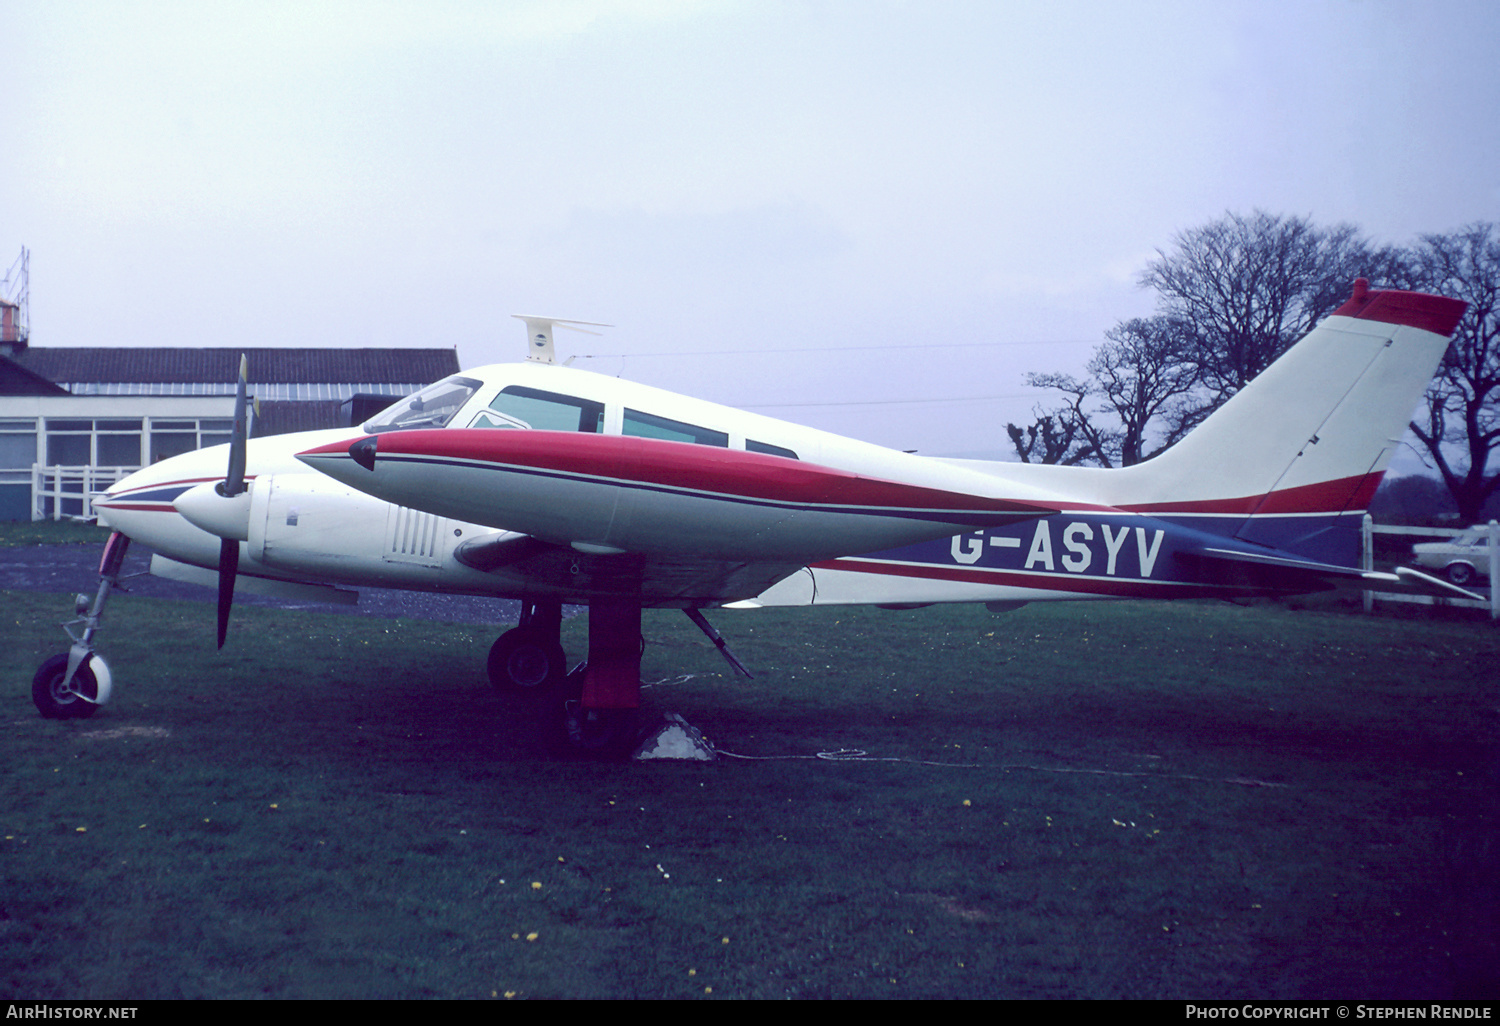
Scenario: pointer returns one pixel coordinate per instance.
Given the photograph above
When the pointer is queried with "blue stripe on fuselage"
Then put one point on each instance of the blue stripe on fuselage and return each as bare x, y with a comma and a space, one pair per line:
1129, 547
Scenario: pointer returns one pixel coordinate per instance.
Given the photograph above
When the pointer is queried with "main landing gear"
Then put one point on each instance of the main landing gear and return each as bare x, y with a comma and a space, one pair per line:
530, 656
591, 710
73, 684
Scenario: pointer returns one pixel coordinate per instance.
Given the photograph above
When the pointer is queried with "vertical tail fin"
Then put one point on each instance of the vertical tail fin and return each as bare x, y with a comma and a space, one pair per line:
1308, 440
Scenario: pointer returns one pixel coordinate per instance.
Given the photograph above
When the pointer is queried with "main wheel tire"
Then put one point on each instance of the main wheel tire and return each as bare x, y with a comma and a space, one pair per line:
1460, 573
56, 704
525, 661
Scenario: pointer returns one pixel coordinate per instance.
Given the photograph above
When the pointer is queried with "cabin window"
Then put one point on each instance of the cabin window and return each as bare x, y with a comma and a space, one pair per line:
751, 445
432, 407
519, 406
647, 425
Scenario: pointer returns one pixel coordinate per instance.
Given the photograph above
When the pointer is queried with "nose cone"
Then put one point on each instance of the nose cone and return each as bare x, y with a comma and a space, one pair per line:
205, 507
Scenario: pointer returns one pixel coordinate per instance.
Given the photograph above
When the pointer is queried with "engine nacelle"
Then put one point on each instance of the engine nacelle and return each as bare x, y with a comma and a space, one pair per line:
310, 525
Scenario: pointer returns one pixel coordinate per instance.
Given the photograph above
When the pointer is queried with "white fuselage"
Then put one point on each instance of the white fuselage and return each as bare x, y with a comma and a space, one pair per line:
305, 526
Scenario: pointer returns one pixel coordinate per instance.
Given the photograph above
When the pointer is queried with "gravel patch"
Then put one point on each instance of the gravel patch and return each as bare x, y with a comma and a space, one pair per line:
65, 569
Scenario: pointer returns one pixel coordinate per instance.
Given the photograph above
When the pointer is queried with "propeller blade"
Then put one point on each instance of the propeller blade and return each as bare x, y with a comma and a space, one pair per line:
229, 565
234, 481
234, 484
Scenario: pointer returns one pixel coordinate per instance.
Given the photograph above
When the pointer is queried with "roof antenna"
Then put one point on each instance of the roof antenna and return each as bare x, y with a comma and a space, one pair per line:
539, 335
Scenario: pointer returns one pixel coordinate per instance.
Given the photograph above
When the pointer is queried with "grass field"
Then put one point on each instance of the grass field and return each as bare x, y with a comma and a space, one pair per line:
50, 532
1134, 800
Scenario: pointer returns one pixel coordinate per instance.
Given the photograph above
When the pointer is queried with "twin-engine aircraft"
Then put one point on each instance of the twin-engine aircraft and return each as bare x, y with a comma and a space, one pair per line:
537, 482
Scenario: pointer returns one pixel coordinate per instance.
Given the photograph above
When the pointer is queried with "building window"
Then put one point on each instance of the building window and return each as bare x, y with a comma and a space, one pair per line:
175, 437
17, 454
117, 443
17, 444
93, 443
70, 443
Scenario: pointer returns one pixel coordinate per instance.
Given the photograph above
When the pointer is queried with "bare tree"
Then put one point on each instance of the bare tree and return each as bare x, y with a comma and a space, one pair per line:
1139, 398
1095, 443
1051, 438
1146, 375
1251, 286
1460, 427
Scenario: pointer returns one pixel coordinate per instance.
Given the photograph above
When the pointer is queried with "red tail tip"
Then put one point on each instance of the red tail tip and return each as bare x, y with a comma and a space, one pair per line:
1437, 314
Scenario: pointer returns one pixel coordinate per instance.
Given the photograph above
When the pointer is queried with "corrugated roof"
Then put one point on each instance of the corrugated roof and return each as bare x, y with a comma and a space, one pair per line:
271, 366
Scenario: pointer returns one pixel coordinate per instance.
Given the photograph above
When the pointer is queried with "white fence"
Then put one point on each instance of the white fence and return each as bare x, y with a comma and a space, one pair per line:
1371, 529
62, 493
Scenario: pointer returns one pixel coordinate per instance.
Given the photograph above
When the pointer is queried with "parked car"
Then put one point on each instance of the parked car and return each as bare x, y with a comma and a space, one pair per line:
1461, 558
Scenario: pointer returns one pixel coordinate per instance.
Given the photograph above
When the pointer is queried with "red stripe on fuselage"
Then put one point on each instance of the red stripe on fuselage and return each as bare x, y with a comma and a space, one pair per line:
683, 465
759, 476
186, 482
1336, 496
1121, 588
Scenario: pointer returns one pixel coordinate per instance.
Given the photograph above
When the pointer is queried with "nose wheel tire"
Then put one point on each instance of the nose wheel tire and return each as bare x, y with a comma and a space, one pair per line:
56, 703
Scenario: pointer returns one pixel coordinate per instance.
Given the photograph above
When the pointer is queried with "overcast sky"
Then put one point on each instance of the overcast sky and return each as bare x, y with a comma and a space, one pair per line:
755, 188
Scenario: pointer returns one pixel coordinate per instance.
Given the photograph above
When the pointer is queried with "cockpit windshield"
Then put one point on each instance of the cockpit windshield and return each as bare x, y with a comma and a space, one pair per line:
432, 407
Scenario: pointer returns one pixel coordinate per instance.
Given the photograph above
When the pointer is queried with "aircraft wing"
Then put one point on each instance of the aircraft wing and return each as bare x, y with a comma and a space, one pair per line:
660, 581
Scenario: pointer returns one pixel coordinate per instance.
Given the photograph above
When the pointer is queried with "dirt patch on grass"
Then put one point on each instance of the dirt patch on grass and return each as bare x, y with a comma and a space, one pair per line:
115, 733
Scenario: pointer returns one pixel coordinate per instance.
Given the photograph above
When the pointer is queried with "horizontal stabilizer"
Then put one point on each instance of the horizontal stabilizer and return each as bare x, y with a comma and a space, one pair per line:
1291, 573
1427, 582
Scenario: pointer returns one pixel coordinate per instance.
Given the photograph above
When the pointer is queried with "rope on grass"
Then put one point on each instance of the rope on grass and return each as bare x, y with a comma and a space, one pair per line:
846, 755
859, 755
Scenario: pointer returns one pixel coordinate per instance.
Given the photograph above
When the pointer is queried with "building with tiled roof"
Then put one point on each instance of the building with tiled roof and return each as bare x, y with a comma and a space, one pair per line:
73, 420
274, 373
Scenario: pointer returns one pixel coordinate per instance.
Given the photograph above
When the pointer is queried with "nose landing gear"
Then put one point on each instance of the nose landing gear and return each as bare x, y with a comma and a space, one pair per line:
73, 684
